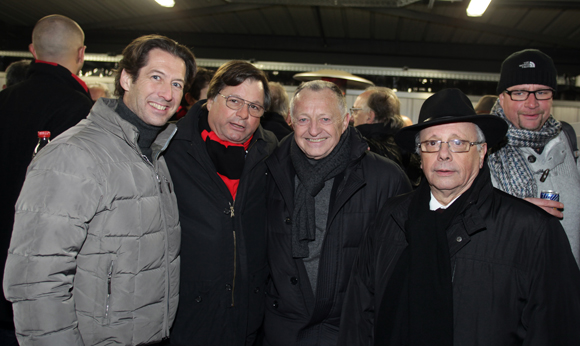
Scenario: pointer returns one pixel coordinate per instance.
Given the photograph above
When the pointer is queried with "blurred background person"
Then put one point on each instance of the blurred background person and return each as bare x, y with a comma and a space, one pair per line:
197, 91
16, 72
276, 118
376, 116
98, 90
485, 104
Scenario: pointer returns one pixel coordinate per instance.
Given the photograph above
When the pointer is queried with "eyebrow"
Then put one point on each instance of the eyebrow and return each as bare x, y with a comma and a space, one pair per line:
163, 73
238, 96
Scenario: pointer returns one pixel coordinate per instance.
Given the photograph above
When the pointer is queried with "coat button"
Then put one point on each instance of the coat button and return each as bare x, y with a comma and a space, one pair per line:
459, 239
228, 287
198, 299
257, 290
288, 221
531, 158
275, 304
293, 280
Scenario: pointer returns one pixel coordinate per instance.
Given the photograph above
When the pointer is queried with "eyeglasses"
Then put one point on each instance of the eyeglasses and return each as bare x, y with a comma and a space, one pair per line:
522, 95
236, 103
354, 111
455, 146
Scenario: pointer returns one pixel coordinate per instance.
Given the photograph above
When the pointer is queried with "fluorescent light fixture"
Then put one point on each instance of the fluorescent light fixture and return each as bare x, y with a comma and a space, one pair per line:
477, 7
168, 3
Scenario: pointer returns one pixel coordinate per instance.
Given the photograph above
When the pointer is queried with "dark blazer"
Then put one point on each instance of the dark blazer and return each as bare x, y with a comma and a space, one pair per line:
50, 99
515, 281
294, 316
223, 243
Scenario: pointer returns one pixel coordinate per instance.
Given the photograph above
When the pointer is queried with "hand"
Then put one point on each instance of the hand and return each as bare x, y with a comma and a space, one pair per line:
550, 206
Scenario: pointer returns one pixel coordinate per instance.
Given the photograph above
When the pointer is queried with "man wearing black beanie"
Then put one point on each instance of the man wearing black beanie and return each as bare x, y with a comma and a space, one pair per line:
538, 155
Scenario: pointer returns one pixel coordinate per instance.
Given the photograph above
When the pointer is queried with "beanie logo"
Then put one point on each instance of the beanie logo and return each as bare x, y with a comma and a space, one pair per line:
528, 64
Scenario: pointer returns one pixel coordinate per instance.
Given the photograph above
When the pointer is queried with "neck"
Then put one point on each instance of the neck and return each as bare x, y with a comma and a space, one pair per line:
446, 196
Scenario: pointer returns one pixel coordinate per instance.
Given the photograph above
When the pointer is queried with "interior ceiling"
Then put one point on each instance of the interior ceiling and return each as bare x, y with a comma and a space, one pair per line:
414, 34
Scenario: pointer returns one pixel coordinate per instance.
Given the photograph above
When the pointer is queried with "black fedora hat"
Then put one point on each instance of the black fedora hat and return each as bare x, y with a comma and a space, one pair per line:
451, 106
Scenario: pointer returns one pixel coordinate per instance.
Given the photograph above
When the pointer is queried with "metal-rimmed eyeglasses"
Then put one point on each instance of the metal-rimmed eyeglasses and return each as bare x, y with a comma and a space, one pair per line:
522, 95
235, 103
354, 111
455, 146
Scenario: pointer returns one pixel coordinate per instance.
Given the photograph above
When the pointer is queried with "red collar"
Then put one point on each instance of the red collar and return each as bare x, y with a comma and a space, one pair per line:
214, 137
81, 82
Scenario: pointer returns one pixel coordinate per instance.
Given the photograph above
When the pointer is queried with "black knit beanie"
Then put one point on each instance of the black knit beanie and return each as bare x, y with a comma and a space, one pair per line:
529, 66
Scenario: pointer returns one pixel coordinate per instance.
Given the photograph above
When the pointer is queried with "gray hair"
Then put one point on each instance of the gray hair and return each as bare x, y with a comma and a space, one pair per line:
279, 99
319, 85
386, 105
480, 138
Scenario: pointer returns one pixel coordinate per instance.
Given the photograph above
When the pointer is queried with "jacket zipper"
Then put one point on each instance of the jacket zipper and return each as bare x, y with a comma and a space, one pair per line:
235, 254
159, 182
108, 302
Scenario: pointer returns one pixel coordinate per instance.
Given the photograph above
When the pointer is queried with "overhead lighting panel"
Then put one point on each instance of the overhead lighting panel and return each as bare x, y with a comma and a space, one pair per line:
477, 7
166, 3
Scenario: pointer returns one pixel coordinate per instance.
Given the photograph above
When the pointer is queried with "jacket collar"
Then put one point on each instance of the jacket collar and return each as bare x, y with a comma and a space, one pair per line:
60, 72
375, 130
103, 113
477, 204
188, 130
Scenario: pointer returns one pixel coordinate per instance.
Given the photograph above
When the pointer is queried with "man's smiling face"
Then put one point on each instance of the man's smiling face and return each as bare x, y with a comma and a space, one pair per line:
318, 122
156, 93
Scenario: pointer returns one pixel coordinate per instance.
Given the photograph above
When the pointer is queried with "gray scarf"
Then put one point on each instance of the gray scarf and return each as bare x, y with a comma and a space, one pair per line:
509, 166
312, 178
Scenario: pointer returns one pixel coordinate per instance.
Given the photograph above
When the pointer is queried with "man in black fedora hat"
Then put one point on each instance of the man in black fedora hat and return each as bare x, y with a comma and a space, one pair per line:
458, 262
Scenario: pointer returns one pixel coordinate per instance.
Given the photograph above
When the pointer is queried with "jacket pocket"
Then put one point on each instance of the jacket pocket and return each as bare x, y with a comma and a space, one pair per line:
108, 292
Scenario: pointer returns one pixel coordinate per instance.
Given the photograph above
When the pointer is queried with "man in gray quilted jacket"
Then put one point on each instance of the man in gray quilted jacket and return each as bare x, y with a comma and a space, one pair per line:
94, 254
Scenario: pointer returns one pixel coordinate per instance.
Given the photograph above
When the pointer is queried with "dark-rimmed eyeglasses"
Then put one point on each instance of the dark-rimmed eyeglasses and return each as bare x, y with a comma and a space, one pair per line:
235, 103
522, 95
455, 146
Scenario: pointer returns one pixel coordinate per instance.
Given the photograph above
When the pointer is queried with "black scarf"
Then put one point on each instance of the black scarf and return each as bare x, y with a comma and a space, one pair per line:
147, 133
312, 178
417, 307
229, 161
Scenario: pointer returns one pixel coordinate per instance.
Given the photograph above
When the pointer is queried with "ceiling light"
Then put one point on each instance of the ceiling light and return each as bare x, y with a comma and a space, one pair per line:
166, 3
477, 7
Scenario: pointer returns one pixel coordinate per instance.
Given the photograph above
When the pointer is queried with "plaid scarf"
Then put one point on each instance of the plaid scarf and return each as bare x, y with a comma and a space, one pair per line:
508, 164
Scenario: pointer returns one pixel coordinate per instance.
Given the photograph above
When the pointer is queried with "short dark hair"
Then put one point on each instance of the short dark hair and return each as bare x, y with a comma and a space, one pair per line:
201, 80
136, 55
16, 72
234, 73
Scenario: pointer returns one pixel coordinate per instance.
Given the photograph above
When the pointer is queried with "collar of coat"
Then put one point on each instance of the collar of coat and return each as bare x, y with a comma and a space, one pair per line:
477, 204
103, 113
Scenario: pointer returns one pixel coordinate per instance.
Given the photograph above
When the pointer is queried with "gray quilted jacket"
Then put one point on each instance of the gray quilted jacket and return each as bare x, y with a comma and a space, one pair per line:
94, 255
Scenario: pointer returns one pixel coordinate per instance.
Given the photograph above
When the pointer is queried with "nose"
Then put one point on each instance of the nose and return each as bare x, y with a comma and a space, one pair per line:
532, 101
444, 153
314, 128
243, 112
165, 91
